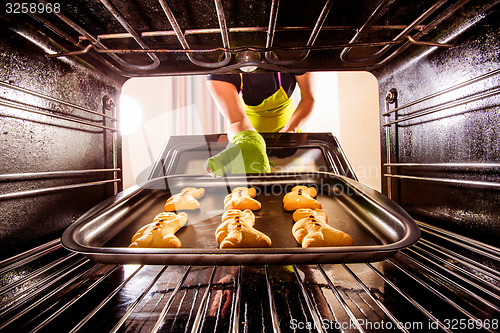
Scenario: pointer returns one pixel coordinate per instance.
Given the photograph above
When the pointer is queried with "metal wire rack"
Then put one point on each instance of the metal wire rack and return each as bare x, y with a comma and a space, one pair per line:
268, 53
428, 106
443, 282
98, 120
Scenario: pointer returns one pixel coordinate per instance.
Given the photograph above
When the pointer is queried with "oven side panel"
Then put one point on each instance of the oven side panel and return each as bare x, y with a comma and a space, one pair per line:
60, 152
441, 137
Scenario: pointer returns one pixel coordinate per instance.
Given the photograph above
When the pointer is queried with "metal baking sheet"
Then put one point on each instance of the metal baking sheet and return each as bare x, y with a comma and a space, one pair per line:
378, 225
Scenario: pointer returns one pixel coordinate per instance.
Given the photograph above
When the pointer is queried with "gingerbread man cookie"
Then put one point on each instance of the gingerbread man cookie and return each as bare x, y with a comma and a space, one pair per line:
236, 230
160, 233
186, 200
300, 198
242, 198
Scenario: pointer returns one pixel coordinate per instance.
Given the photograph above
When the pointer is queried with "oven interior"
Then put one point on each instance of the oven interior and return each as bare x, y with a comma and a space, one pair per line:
437, 65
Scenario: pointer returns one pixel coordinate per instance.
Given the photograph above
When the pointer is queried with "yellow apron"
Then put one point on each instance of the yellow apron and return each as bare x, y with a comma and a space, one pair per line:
273, 113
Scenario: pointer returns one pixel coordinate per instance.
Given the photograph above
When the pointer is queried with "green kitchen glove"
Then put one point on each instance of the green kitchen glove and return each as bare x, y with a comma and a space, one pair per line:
246, 153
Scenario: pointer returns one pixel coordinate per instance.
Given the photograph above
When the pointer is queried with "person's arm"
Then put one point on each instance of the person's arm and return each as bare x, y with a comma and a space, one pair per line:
246, 151
229, 102
305, 106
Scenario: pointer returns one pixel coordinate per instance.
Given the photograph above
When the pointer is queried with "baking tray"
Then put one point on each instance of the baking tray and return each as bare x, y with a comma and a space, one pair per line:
378, 225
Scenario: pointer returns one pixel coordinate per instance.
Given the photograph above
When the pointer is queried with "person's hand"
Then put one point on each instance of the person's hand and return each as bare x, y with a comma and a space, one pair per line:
287, 129
246, 153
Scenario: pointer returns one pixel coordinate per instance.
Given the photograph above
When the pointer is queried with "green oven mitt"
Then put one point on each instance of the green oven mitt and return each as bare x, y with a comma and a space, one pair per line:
246, 153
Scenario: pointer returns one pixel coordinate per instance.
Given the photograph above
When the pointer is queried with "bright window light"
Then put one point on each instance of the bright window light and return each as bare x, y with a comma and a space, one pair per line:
130, 115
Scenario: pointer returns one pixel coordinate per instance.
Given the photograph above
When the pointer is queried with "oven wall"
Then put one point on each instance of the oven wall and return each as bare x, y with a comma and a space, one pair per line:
444, 151
57, 158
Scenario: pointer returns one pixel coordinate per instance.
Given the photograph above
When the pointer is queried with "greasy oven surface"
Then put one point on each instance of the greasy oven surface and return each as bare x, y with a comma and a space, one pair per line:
378, 226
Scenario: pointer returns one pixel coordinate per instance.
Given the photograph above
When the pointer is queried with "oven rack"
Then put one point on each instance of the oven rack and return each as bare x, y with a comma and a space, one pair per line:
232, 57
445, 103
23, 99
443, 281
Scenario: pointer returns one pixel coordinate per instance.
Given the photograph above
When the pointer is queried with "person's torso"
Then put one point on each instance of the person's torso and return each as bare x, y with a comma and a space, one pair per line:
258, 86
272, 114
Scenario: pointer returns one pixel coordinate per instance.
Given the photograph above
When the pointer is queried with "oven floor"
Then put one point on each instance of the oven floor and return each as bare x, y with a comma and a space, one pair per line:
445, 282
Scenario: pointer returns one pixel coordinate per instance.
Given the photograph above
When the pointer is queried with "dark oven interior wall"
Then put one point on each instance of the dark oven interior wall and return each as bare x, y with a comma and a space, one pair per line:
39, 136
463, 132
